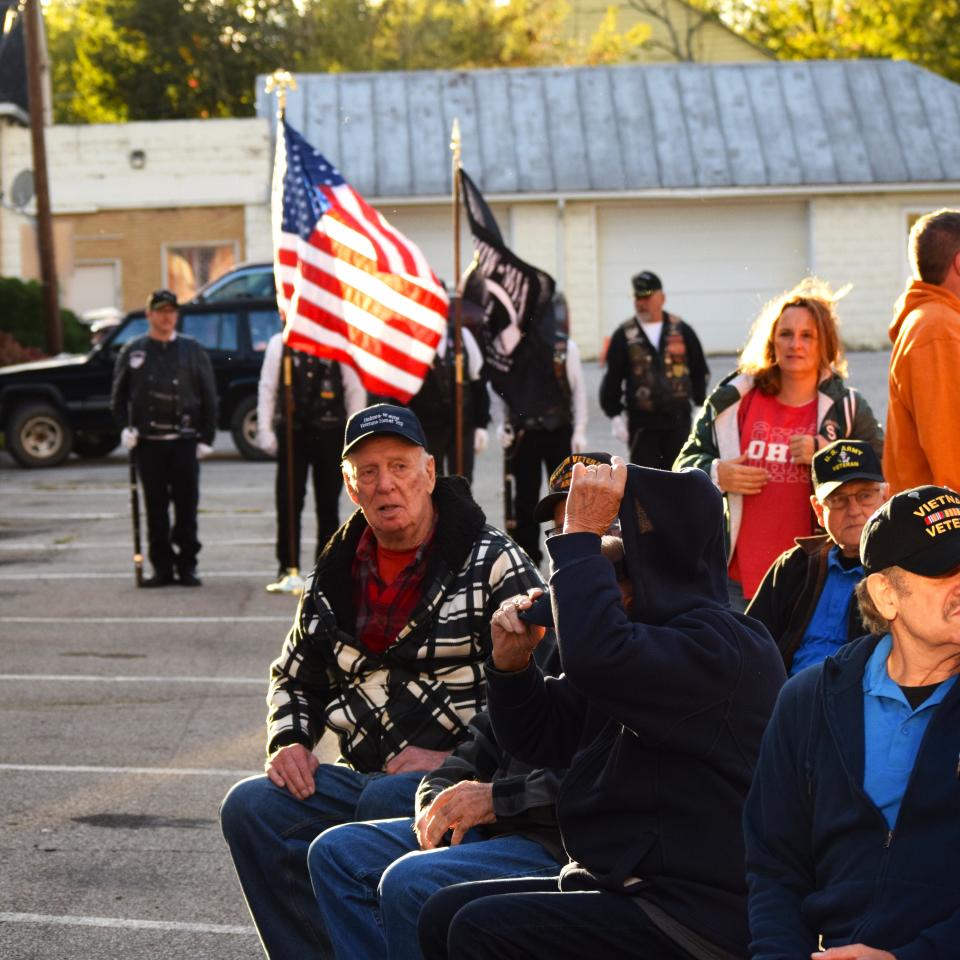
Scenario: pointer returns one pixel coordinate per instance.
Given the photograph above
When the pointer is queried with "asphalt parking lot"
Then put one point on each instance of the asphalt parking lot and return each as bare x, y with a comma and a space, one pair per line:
127, 714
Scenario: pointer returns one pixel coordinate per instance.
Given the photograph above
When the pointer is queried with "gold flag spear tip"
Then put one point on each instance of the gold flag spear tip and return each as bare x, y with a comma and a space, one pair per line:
281, 81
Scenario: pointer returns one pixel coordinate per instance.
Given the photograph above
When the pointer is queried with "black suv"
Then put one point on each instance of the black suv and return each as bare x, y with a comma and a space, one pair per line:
53, 407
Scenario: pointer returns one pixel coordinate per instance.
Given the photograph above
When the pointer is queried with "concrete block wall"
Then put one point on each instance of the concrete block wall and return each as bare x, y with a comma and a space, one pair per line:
862, 240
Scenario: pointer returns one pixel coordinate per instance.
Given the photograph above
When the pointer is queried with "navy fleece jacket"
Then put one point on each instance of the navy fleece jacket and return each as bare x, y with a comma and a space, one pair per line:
820, 858
659, 717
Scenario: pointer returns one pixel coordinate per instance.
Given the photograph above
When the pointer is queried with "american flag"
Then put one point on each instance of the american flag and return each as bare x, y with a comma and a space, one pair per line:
349, 285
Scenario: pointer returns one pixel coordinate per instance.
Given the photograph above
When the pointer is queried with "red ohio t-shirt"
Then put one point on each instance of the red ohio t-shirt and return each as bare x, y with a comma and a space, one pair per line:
773, 518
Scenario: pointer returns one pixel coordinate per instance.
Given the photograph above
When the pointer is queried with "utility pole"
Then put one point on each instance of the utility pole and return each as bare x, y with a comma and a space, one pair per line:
32, 31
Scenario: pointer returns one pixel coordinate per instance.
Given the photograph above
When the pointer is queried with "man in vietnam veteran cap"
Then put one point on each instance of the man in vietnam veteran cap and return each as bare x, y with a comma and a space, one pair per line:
854, 800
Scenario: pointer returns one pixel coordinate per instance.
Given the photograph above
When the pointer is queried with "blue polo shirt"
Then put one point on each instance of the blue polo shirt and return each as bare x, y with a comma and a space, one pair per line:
893, 731
827, 630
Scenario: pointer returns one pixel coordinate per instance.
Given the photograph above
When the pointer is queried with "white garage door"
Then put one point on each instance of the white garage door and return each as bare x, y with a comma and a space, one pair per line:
719, 261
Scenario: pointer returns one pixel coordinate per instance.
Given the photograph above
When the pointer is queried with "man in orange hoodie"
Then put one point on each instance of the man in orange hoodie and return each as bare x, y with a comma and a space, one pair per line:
922, 445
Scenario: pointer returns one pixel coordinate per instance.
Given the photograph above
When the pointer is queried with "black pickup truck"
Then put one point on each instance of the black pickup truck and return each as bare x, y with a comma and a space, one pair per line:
51, 408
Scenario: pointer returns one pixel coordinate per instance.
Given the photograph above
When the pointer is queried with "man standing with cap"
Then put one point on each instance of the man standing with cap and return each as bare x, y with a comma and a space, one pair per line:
806, 599
852, 816
165, 399
386, 652
655, 369
921, 445
323, 394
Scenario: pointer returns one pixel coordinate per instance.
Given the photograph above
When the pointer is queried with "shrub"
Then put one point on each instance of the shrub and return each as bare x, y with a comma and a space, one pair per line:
21, 316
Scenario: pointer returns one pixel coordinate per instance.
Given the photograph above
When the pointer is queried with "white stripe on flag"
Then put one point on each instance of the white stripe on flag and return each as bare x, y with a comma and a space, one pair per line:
376, 289
364, 360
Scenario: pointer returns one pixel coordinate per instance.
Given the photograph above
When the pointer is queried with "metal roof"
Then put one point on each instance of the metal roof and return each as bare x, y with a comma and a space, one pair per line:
581, 130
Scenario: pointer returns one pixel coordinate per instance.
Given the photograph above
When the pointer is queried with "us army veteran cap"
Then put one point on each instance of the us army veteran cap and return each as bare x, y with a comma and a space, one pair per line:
841, 461
379, 419
918, 530
645, 283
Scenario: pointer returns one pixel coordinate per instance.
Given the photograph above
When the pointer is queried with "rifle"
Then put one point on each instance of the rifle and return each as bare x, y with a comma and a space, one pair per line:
135, 515
510, 484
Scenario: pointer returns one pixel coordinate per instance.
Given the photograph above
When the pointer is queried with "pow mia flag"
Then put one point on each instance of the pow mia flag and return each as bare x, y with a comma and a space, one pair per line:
510, 292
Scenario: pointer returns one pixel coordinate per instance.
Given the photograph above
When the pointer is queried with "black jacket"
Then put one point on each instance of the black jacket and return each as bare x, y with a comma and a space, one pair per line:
131, 398
659, 717
787, 598
820, 856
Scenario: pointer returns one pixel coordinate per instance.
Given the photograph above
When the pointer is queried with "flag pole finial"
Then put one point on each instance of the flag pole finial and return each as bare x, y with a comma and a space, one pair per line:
281, 81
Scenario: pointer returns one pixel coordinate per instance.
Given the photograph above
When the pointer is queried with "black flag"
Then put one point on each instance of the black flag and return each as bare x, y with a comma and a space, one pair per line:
510, 292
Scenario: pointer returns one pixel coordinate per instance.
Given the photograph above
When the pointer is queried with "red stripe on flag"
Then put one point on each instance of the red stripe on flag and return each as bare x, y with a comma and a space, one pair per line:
337, 287
378, 221
314, 313
298, 340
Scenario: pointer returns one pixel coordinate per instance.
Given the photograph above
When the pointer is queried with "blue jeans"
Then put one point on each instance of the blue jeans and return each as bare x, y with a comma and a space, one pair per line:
371, 879
269, 832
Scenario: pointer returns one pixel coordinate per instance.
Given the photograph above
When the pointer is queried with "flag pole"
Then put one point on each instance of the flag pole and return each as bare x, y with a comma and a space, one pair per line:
458, 304
281, 80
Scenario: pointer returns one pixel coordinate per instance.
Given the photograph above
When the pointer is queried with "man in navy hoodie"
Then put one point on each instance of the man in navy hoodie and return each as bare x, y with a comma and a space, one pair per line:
659, 715
853, 822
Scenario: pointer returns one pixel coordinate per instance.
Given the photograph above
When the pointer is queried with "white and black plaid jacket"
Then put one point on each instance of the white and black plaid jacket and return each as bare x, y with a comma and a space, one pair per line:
425, 688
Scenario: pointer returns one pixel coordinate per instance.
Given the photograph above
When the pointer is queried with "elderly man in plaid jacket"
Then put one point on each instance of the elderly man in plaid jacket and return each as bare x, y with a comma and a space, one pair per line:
386, 652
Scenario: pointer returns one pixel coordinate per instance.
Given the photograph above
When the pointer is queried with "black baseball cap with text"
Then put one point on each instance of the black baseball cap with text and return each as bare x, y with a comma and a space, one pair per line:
645, 283
559, 484
161, 298
380, 419
917, 530
842, 461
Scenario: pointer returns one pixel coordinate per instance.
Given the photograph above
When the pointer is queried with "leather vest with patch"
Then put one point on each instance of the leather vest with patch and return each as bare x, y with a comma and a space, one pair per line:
657, 382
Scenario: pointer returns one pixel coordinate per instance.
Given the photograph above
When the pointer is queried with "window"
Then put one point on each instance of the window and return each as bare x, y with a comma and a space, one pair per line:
132, 330
215, 331
189, 266
263, 325
251, 283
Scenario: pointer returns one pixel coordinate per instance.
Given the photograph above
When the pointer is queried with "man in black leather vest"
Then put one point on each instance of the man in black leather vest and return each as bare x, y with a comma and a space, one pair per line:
655, 370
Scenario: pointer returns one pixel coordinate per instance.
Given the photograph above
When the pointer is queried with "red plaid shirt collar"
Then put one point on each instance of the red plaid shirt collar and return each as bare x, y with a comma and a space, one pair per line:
383, 610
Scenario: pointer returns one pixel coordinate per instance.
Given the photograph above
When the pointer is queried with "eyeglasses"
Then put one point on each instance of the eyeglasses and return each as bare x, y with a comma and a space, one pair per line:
866, 498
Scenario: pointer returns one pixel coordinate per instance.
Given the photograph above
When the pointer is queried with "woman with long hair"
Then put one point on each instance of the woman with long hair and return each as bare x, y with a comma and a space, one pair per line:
761, 426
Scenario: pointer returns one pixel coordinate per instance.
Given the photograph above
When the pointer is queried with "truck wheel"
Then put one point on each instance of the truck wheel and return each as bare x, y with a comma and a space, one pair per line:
243, 428
93, 443
38, 435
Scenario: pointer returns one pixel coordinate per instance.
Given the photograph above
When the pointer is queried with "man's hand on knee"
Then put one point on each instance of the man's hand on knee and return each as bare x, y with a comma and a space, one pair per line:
416, 760
456, 809
293, 767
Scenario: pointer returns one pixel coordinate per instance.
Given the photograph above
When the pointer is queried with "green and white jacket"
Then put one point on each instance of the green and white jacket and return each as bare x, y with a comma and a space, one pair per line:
842, 412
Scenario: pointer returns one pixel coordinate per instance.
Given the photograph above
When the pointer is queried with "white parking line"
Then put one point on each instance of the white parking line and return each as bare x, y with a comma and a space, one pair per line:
257, 513
128, 575
116, 923
79, 620
125, 544
155, 771
93, 678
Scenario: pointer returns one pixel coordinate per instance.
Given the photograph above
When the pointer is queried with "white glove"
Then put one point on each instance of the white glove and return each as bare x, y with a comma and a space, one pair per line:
618, 429
505, 435
203, 451
267, 442
578, 442
129, 437
480, 439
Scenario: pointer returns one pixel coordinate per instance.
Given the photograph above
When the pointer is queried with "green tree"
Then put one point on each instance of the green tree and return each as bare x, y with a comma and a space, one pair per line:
165, 59
923, 32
